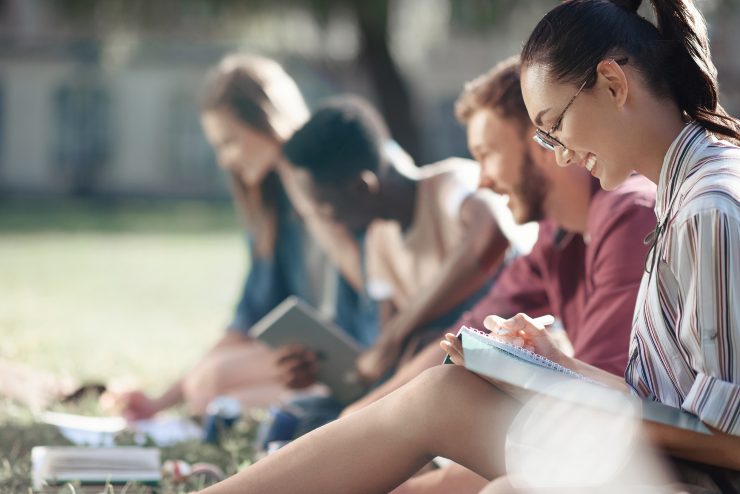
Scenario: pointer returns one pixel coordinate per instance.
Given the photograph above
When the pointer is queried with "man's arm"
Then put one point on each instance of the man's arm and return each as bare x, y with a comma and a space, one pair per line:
614, 272
466, 270
335, 240
719, 449
520, 287
429, 357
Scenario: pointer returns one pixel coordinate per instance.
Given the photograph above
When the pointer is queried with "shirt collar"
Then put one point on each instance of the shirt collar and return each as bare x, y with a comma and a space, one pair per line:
682, 152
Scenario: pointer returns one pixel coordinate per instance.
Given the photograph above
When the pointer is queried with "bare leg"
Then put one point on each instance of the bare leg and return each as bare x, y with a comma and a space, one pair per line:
501, 486
33, 387
453, 478
245, 370
447, 411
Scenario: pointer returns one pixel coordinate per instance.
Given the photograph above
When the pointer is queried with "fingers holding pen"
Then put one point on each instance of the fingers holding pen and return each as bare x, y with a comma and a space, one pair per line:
520, 322
453, 347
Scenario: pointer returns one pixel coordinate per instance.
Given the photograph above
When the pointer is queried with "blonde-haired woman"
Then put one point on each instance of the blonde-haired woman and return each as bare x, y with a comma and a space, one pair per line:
250, 107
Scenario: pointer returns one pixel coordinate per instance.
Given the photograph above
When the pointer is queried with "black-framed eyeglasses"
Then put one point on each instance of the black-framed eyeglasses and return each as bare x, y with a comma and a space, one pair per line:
545, 138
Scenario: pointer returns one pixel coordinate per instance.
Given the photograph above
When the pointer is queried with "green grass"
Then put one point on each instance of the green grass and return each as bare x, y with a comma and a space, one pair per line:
143, 298
20, 433
102, 290
113, 215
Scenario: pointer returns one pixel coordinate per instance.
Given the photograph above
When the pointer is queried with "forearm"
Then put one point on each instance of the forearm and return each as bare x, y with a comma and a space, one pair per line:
340, 247
718, 449
429, 357
461, 276
335, 240
599, 375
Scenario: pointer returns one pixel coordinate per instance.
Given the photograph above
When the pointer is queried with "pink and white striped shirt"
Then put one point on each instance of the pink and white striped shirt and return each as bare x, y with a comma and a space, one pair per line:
685, 343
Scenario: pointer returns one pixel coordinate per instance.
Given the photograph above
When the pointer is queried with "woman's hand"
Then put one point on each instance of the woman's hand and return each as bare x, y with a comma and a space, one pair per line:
523, 331
453, 346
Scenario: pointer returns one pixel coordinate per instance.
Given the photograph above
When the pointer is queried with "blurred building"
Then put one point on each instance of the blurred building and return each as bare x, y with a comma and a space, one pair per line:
107, 108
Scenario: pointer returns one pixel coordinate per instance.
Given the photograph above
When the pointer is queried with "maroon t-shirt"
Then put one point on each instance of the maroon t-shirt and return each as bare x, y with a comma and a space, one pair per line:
589, 281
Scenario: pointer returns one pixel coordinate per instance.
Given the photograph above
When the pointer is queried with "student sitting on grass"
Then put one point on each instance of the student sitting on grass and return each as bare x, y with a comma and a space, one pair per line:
433, 240
636, 97
586, 265
250, 108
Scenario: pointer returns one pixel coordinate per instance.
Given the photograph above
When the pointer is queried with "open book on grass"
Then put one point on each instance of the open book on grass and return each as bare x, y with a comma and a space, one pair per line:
52, 465
490, 356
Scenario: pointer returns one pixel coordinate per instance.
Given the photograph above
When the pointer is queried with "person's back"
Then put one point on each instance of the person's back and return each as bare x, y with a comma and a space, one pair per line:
433, 240
402, 262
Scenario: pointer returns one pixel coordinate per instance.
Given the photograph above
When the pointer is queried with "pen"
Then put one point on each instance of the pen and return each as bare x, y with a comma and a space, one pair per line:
546, 320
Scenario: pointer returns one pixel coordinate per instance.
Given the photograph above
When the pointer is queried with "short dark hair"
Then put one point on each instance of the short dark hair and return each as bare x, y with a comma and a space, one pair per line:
499, 90
343, 138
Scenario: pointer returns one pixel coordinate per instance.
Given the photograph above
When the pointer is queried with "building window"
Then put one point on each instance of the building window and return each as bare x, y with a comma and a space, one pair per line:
82, 130
192, 161
2, 120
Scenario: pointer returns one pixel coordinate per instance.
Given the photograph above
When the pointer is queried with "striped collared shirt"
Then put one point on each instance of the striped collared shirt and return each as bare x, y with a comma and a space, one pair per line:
685, 343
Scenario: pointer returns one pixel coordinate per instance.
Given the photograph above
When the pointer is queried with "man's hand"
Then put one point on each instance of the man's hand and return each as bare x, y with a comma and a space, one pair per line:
378, 359
297, 366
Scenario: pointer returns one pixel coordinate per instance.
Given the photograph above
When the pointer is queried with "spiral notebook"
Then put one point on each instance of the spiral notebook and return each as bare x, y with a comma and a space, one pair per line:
490, 356
519, 352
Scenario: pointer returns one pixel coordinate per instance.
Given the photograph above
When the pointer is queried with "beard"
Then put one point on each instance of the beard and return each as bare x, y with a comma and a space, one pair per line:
531, 190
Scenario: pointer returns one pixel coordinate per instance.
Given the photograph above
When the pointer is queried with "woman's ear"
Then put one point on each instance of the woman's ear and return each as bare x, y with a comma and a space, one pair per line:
614, 80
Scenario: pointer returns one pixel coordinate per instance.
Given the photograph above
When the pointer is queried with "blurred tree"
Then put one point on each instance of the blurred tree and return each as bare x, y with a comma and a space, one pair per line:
206, 17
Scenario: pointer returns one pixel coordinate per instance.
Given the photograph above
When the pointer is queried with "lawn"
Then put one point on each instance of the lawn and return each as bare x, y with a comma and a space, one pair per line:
100, 290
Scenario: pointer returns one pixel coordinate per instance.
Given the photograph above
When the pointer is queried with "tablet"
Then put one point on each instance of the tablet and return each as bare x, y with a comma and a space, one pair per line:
296, 322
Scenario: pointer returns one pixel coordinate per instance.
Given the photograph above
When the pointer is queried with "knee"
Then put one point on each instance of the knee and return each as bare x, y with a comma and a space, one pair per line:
445, 383
434, 392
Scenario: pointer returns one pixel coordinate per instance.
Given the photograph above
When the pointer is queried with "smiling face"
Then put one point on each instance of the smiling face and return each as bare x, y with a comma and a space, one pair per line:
513, 164
240, 149
593, 128
508, 166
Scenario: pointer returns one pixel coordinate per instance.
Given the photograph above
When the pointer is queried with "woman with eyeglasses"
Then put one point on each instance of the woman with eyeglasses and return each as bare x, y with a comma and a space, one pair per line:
606, 88
644, 98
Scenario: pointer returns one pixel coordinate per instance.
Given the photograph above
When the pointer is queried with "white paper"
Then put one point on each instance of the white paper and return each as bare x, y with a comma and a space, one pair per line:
85, 430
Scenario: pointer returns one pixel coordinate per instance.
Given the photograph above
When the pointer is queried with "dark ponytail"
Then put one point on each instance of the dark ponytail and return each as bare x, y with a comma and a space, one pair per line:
673, 56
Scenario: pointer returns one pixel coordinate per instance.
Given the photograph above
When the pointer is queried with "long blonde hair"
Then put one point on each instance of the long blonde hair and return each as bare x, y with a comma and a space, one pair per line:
263, 96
